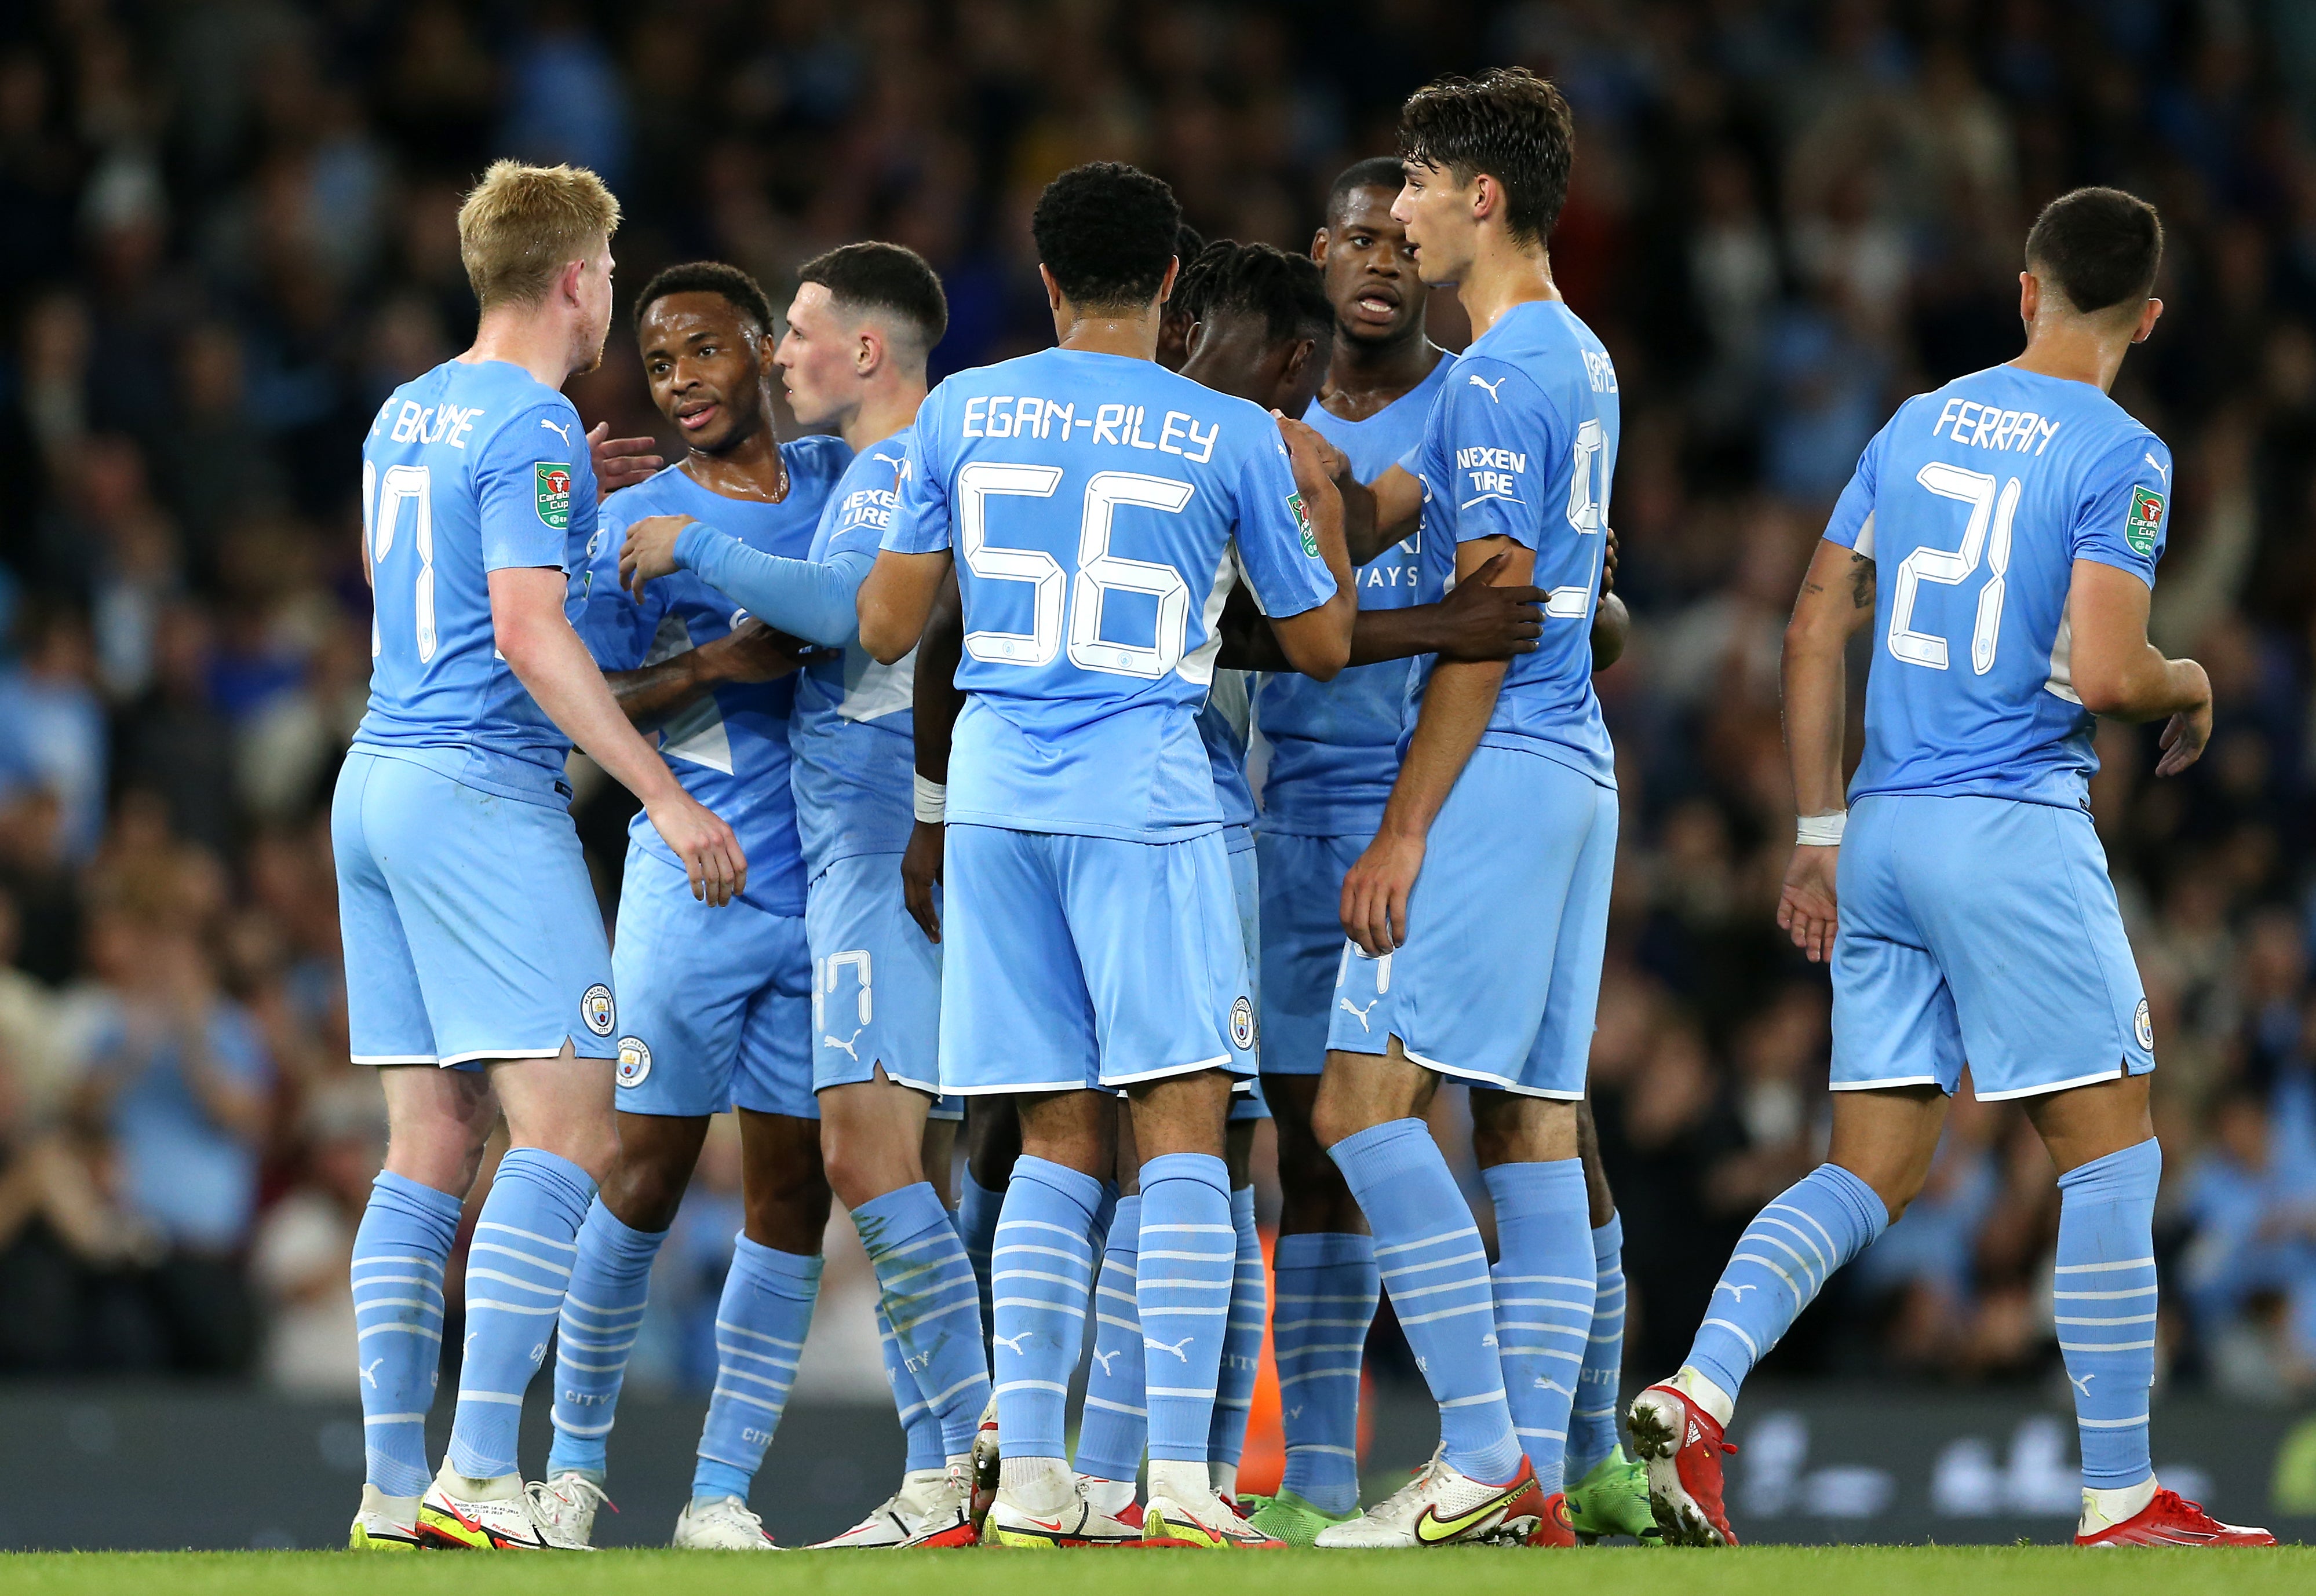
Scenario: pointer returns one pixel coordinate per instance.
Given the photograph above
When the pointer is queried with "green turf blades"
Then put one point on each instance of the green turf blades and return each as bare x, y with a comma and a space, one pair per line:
1287, 1517
1613, 1499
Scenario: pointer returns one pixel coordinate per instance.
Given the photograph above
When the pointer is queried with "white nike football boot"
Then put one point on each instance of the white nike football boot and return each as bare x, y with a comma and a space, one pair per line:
933, 1508
458, 1514
385, 1523
1444, 1506
722, 1525
566, 1506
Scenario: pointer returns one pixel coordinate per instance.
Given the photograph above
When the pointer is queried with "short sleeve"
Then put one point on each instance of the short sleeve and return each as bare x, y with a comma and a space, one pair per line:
2125, 513
870, 491
1851, 525
920, 508
1498, 439
1278, 551
616, 629
533, 477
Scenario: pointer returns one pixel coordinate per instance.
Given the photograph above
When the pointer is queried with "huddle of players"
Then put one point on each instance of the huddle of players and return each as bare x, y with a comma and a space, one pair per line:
1080, 913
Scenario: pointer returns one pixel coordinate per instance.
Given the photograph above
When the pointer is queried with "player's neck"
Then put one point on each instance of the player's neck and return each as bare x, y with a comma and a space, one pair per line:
1133, 333
1501, 276
885, 412
1363, 378
2076, 351
539, 344
751, 468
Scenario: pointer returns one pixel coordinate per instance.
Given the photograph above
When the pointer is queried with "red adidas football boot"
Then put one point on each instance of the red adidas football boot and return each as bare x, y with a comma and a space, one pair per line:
1681, 1444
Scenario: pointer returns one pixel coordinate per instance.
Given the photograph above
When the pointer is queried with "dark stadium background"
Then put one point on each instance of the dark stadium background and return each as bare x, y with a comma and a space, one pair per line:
227, 230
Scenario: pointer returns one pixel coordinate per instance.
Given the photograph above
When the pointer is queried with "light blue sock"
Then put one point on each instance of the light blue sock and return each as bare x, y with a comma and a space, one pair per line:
1544, 1290
1327, 1291
601, 1314
1040, 1270
1432, 1263
518, 1267
932, 1303
1782, 1261
977, 1208
1250, 1308
919, 1425
2105, 1293
1592, 1421
400, 1251
1111, 1433
1188, 1255
760, 1330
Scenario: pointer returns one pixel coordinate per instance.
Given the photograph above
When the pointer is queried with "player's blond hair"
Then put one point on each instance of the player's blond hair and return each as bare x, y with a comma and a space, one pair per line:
522, 224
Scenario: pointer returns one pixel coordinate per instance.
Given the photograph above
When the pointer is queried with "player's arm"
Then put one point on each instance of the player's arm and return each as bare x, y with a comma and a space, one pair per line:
1475, 621
935, 704
1837, 598
897, 600
1376, 514
546, 655
810, 598
2117, 673
1317, 641
1612, 623
750, 652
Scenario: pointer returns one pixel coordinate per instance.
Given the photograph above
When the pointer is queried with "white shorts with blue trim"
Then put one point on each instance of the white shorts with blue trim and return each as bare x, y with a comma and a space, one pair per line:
1499, 981
1302, 944
471, 929
876, 980
1980, 931
717, 1001
1072, 963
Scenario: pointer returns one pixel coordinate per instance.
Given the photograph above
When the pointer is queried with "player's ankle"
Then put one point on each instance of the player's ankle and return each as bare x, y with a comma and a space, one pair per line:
1701, 1389
2104, 1506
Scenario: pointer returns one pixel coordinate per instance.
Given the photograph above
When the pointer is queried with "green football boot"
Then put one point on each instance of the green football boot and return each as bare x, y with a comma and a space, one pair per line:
1287, 1517
1613, 1499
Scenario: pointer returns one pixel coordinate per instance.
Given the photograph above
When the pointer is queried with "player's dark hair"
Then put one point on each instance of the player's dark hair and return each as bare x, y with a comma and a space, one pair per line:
1105, 231
1510, 124
740, 290
1288, 292
1377, 172
884, 279
2100, 247
1188, 245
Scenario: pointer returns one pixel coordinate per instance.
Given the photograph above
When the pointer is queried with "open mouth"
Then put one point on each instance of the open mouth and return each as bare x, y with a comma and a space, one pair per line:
697, 417
1379, 306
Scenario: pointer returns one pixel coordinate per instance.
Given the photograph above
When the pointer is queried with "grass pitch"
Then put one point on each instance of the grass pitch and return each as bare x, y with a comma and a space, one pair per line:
1766, 1570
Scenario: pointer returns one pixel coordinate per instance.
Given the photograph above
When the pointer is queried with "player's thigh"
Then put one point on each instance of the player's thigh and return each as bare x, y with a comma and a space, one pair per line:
2015, 903
1556, 1065
1894, 1024
1015, 1014
876, 978
1302, 946
773, 1071
1156, 930
1484, 920
685, 974
385, 1009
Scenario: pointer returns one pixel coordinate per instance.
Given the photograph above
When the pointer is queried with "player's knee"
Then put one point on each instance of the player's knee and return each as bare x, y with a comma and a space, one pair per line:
791, 1215
861, 1171
447, 1156
644, 1191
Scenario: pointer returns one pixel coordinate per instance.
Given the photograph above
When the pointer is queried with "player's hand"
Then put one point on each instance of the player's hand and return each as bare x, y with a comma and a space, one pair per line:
753, 652
711, 854
620, 462
649, 551
921, 873
1806, 907
2187, 731
1477, 621
1375, 893
1608, 562
1314, 459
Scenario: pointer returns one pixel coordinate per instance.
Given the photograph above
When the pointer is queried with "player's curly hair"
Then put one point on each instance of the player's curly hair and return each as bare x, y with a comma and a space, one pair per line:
1510, 124
1105, 231
1287, 291
742, 291
889, 280
2101, 246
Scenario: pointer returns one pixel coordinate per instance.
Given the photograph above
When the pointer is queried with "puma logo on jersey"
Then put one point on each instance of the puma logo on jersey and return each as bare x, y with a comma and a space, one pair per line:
2161, 470
562, 433
1159, 1346
1481, 382
1012, 1343
1360, 1014
846, 1044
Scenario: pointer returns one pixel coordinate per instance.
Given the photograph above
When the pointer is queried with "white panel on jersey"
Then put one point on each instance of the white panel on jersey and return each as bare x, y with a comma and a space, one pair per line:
1198, 664
695, 732
873, 691
1864, 547
1227, 697
2062, 674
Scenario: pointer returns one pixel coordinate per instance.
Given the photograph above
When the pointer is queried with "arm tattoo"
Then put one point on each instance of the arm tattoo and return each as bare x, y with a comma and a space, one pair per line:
1861, 581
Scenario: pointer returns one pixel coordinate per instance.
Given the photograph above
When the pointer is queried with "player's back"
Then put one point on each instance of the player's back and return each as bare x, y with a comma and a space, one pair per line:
473, 468
1975, 502
1521, 442
1092, 501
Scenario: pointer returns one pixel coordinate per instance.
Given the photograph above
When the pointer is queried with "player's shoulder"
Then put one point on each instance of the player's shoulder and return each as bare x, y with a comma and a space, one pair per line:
665, 491
1538, 355
817, 456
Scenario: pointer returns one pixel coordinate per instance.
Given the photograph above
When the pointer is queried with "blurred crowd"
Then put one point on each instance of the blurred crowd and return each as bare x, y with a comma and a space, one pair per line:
227, 229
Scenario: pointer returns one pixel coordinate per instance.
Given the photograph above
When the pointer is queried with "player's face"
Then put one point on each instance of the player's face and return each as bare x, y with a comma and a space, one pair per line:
595, 309
819, 358
704, 360
1436, 210
1370, 269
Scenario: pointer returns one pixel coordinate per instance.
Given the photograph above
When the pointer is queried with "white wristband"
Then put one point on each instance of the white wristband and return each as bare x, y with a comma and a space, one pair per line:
931, 801
1821, 830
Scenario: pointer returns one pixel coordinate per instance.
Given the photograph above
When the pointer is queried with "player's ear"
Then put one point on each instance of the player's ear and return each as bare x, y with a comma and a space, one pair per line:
567, 283
2030, 296
1319, 242
1053, 288
1166, 284
868, 351
2148, 317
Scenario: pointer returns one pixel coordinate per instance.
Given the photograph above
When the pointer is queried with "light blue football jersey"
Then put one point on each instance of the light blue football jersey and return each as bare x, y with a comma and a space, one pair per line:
1521, 443
852, 735
1224, 723
729, 747
1334, 745
1975, 501
477, 467
1094, 503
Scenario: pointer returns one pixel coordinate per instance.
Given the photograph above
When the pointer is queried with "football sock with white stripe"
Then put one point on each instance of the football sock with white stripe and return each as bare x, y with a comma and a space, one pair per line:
977, 1208
1592, 1421
1432, 1263
601, 1314
760, 1329
919, 1426
518, 1267
1041, 1270
1249, 1305
1327, 1291
400, 1251
1189, 1252
1114, 1426
1543, 1290
1782, 1261
2105, 1295
932, 1303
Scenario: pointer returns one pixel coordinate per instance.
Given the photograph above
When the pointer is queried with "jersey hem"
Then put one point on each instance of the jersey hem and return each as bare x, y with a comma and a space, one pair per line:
1005, 822
2080, 805
1559, 753
553, 798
